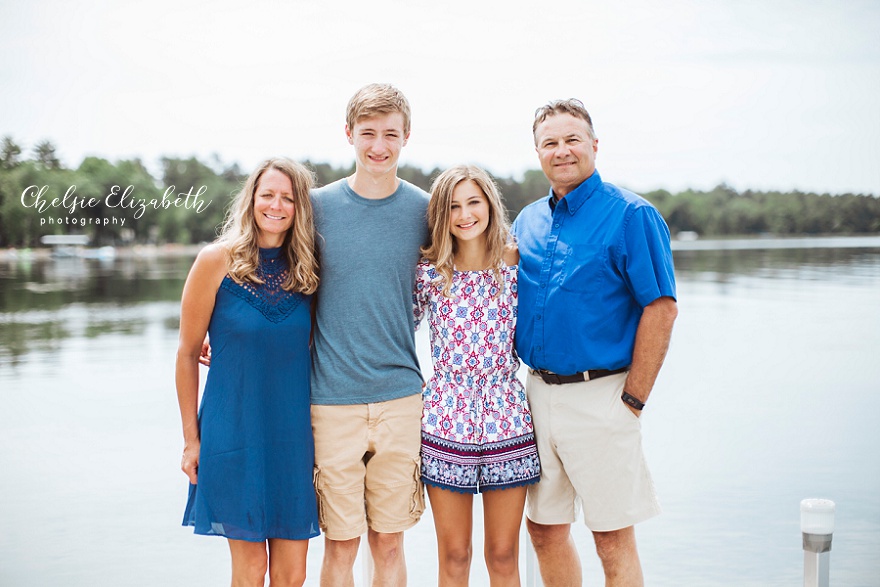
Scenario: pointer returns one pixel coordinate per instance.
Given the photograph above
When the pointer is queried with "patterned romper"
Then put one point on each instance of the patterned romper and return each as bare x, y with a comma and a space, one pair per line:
476, 426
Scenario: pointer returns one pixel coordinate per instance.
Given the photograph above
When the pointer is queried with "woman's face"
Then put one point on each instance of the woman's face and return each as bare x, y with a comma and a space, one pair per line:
273, 207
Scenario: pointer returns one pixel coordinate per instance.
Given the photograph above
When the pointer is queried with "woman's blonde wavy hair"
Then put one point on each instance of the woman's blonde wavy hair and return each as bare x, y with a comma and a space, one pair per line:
442, 248
239, 232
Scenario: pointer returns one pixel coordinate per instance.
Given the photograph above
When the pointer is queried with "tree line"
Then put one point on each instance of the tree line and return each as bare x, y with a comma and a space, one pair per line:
121, 202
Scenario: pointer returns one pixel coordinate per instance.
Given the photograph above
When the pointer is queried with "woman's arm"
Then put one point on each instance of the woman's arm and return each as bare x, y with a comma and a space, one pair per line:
510, 255
196, 307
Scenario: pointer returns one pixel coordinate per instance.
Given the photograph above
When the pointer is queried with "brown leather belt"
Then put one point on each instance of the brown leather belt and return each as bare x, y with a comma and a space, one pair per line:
556, 379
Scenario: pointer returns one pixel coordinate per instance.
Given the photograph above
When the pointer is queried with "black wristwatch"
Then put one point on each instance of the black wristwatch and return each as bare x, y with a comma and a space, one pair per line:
633, 401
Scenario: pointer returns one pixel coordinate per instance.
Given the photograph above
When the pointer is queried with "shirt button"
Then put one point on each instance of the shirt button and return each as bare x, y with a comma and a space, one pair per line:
543, 285
538, 317
556, 225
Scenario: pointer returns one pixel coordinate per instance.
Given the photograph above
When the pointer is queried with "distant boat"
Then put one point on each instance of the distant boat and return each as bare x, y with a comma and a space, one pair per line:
65, 252
65, 246
103, 253
65, 240
687, 235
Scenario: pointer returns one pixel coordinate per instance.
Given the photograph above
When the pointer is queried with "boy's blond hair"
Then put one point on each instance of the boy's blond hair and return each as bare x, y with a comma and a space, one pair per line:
376, 99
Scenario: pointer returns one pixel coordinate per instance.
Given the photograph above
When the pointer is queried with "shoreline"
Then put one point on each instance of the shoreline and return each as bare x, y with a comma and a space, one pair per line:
734, 243
126, 252
740, 243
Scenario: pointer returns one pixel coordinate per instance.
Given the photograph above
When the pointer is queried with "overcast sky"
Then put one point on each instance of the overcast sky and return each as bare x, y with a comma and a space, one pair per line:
759, 94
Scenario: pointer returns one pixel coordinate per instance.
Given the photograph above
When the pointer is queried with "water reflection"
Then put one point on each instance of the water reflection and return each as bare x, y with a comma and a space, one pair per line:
815, 264
44, 301
753, 411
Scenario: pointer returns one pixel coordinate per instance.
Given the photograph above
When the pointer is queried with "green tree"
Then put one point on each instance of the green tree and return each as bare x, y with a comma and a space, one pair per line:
184, 176
717, 212
534, 185
416, 176
10, 152
22, 225
95, 180
46, 156
326, 174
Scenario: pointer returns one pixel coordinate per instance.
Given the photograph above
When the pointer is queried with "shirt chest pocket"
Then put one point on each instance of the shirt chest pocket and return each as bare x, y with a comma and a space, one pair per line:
584, 266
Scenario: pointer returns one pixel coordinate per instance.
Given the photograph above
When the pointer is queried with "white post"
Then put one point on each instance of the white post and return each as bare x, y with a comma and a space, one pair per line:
533, 573
817, 527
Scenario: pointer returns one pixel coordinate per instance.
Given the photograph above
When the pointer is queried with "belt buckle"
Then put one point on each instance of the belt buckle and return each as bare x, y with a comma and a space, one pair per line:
549, 377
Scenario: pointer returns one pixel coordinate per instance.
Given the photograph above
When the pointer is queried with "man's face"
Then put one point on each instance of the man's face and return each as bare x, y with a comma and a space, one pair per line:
566, 150
377, 142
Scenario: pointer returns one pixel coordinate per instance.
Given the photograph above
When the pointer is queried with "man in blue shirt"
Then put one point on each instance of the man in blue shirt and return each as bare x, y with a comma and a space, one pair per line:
596, 309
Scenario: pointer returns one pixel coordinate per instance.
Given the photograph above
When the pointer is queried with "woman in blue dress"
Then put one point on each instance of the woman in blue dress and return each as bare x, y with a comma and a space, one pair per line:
248, 450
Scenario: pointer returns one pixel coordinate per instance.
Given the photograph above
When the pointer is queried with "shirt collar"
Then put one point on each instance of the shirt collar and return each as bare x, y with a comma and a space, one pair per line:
579, 195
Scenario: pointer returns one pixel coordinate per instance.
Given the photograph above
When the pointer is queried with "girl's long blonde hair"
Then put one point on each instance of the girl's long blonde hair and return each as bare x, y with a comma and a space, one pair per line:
239, 232
441, 250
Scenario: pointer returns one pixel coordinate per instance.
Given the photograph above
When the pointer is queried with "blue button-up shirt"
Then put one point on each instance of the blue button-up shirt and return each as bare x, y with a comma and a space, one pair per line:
589, 264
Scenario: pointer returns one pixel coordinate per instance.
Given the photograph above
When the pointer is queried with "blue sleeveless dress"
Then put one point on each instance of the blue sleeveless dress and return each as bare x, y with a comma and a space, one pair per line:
257, 453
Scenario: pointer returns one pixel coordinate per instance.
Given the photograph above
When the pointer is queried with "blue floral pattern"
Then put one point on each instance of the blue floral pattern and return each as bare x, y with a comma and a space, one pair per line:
477, 429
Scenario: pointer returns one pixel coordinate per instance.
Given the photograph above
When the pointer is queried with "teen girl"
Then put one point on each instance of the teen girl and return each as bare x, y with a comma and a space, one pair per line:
477, 434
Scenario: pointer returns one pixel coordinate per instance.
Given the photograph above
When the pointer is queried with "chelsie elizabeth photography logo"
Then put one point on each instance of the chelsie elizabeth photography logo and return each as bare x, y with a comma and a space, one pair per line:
63, 210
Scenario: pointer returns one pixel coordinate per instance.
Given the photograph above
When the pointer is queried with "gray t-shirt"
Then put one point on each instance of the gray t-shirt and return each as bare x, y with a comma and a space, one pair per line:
364, 349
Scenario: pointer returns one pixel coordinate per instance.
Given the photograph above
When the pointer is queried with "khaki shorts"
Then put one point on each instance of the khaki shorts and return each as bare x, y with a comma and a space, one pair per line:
367, 466
590, 445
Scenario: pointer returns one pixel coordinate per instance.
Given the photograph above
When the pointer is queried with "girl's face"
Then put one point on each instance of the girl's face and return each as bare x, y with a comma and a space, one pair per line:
469, 212
273, 207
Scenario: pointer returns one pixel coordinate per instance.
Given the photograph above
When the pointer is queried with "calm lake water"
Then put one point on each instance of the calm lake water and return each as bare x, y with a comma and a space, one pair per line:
769, 395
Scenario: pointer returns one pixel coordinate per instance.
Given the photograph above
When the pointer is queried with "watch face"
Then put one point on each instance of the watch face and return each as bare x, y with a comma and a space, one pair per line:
633, 401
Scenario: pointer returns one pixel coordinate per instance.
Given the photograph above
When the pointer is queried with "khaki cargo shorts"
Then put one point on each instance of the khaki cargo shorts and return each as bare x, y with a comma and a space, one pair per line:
367, 466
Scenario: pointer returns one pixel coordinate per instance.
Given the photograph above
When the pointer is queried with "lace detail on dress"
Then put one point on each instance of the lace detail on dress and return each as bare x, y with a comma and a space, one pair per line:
268, 297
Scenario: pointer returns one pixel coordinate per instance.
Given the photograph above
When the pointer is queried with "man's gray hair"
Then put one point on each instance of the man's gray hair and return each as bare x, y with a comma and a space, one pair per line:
571, 106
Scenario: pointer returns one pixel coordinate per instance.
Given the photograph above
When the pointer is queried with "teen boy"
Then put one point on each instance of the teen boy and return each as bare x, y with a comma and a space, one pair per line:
366, 381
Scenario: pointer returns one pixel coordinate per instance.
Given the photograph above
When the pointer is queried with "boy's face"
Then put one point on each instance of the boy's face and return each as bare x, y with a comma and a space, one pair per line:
377, 142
